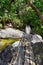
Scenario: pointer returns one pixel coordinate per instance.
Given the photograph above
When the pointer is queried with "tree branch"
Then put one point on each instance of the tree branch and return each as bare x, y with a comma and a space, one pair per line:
35, 9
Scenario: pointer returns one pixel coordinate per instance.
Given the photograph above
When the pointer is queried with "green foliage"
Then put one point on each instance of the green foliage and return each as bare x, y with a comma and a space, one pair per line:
20, 14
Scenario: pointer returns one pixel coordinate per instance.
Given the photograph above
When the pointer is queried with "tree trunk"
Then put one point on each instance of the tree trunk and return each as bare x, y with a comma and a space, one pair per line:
35, 9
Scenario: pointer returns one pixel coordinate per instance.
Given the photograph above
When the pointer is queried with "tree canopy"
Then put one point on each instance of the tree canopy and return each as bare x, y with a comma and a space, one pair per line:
23, 12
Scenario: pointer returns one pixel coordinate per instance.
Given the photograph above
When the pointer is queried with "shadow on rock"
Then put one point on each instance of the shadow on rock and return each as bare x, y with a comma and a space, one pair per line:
38, 52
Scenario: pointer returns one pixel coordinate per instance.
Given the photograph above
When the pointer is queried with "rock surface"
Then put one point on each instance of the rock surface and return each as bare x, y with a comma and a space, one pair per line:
19, 54
36, 38
22, 55
7, 54
11, 33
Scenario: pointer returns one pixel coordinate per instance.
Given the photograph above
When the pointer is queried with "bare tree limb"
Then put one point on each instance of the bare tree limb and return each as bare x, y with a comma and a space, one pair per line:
35, 9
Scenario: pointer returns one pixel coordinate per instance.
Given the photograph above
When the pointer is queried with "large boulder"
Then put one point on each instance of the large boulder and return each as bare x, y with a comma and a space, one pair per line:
11, 33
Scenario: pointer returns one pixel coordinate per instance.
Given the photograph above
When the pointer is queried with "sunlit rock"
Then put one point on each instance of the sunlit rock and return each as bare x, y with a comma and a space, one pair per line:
36, 38
11, 33
28, 29
16, 44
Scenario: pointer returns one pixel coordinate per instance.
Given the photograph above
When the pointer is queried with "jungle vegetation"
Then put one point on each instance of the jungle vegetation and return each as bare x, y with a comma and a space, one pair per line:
21, 13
